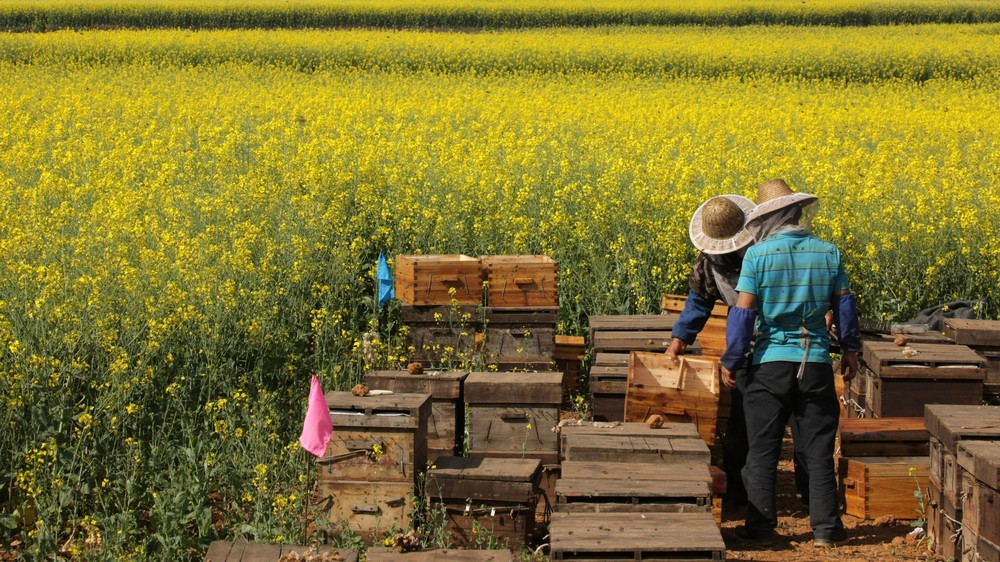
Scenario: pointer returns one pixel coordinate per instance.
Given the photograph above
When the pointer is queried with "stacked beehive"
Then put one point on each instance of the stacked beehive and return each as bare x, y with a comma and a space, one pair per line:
656, 481
502, 309
882, 462
374, 460
962, 515
612, 338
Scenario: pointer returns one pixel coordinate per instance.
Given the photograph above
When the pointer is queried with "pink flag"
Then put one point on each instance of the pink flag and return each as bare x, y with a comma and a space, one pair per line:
317, 427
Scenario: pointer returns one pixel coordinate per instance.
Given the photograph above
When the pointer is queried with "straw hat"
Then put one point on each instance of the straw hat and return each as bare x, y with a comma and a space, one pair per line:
717, 226
774, 195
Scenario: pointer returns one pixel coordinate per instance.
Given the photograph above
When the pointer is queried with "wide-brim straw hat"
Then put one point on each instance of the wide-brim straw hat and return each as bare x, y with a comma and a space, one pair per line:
718, 226
774, 195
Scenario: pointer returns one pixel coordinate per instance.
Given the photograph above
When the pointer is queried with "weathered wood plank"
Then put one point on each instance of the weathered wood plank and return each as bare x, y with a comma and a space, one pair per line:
382, 554
891, 436
982, 460
632, 322
218, 551
624, 448
636, 536
487, 479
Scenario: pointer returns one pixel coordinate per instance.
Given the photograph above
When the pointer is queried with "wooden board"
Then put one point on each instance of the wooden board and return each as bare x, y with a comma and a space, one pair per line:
688, 391
635, 536
981, 459
883, 437
572, 435
615, 322
675, 303
485, 479
370, 509
632, 448
500, 427
972, 332
223, 551
514, 388
382, 554
597, 492
940, 361
873, 487
441, 279
521, 280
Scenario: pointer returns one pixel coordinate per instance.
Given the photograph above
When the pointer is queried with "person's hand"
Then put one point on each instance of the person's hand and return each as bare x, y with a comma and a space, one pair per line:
849, 365
677, 347
727, 378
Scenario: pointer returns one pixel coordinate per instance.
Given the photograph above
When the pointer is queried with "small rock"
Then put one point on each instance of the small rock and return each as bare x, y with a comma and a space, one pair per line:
359, 390
655, 421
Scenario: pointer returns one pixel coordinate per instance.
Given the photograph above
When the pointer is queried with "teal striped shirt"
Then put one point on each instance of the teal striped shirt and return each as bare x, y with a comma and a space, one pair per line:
794, 276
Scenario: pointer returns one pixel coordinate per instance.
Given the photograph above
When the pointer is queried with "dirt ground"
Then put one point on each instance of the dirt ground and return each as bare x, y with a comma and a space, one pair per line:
869, 540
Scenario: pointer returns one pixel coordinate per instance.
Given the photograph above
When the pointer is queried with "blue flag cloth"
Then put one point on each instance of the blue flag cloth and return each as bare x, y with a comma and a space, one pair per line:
386, 288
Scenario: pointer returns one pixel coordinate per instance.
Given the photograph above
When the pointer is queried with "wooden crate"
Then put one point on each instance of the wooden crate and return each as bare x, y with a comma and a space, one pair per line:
376, 438
439, 345
979, 462
609, 487
521, 280
446, 424
608, 386
688, 390
873, 487
371, 509
901, 385
513, 412
500, 494
224, 551
441, 279
382, 554
712, 338
883, 437
635, 536
518, 337
983, 337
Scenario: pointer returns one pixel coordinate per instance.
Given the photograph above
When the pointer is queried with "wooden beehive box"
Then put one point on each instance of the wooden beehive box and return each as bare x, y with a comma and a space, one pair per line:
873, 487
900, 385
568, 355
635, 536
521, 280
440, 279
983, 337
686, 391
612, 487
883, 437
611, 339
712, 338
376, 438
949, 425
446, 424
519, 335
500, 494
979, 463
944, 523
370, 509
223, 551
382, 554
513, 412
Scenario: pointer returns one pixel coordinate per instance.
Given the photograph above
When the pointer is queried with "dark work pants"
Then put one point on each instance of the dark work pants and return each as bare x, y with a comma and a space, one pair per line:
771, 395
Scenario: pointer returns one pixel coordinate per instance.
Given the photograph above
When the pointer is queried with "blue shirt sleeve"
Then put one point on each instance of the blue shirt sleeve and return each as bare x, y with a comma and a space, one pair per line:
748, 275
696, 313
